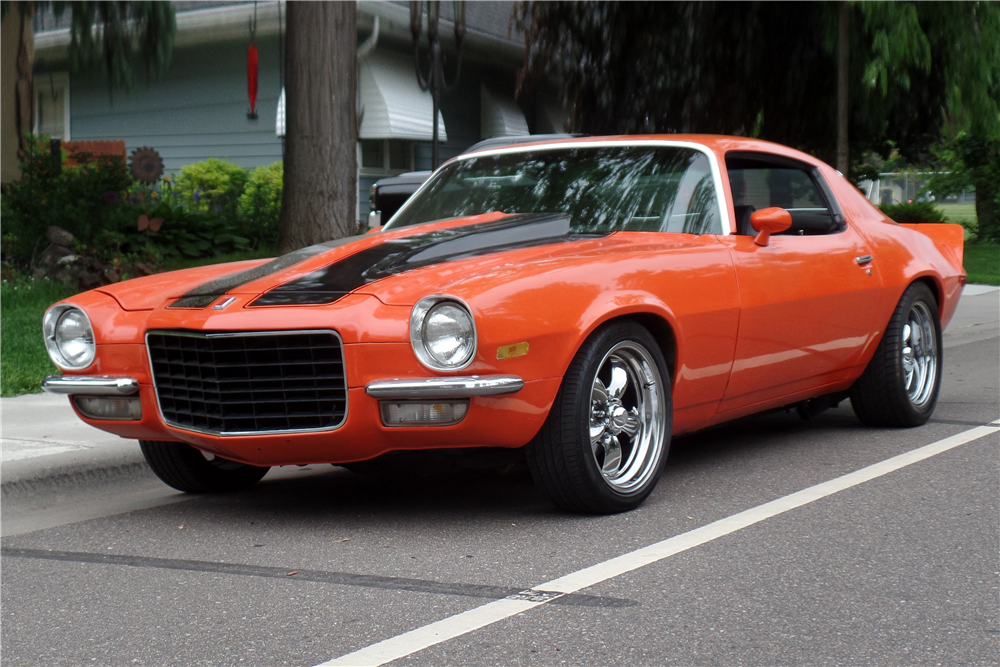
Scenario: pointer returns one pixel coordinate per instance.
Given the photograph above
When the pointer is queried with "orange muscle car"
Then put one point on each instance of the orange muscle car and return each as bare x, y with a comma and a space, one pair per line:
584, 299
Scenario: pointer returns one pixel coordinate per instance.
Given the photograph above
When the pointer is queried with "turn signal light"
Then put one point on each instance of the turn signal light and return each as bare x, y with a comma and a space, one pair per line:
416, 413
109, 407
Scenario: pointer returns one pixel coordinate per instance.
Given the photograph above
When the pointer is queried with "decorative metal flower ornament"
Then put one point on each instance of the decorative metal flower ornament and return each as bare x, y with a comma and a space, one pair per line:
146, 165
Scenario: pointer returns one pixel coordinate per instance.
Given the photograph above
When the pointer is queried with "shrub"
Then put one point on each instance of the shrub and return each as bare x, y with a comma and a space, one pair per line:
913, 212
212, 185
100, 204
82, 199
181, 233
260, 205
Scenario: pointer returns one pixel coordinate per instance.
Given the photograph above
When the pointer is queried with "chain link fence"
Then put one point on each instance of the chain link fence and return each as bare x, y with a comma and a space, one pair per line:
899, 187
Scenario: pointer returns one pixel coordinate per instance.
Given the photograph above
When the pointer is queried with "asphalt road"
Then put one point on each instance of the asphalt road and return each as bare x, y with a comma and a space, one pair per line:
894, 565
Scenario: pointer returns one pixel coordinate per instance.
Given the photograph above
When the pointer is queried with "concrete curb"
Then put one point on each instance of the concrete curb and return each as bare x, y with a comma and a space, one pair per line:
90, 467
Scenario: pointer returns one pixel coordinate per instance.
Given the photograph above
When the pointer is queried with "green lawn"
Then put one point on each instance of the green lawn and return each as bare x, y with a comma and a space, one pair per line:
23, 359
960, 213
963, 214
982, 263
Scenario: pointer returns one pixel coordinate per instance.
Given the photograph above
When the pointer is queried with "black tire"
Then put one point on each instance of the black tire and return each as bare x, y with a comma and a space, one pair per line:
187, 469
892, 391
562, 458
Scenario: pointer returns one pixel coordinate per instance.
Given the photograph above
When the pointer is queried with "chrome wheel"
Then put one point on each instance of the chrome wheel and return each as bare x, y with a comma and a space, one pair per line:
901, 383
919, 353
607, 436
627, 413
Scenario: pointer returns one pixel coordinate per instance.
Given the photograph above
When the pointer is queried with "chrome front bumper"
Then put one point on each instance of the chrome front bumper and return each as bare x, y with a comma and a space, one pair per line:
91, 385
430, 388
445, 387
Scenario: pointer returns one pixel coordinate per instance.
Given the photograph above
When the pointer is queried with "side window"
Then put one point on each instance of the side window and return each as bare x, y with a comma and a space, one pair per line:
758, 184
694, 210
680, 201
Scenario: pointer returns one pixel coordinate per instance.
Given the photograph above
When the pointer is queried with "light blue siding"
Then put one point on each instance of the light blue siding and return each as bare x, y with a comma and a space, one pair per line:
196, 111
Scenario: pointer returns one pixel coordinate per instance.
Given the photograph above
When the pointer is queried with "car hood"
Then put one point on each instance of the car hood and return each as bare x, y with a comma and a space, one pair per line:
325, 273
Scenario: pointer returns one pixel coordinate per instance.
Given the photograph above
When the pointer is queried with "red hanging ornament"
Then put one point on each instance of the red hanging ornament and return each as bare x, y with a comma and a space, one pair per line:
252, 79
252, 66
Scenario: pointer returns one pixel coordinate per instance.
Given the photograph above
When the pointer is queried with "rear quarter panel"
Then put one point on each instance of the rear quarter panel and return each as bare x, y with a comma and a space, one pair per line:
902, 254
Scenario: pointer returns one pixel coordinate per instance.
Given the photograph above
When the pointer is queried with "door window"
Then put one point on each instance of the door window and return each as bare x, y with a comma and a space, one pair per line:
759, 184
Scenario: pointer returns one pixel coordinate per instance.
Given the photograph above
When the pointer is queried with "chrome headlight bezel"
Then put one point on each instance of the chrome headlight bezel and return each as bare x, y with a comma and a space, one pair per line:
50, 327
418, 337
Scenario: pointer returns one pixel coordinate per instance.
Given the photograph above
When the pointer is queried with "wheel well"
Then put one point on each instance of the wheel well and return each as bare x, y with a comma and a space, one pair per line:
932, 284
662, 333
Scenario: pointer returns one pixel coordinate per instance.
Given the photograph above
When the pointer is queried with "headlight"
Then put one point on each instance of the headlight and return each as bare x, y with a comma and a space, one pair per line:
69, 338
443, 333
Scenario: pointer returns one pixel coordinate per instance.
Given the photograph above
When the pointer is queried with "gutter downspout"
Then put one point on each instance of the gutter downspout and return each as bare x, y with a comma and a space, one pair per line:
364, 50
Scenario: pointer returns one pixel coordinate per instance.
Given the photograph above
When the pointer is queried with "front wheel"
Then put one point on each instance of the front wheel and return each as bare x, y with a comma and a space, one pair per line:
901, 383
606, 438
188, 469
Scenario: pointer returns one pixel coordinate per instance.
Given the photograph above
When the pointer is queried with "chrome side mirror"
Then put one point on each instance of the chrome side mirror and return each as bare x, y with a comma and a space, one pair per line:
374, 219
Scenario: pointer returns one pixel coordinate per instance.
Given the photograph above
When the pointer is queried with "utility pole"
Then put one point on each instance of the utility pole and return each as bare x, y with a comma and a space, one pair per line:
843, 86
434, 79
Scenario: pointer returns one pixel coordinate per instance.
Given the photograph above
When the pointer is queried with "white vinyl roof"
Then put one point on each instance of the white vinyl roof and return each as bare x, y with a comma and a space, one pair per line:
499, 115
392, 104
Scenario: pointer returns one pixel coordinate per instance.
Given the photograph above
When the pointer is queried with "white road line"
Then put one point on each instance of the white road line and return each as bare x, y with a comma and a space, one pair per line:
454, 626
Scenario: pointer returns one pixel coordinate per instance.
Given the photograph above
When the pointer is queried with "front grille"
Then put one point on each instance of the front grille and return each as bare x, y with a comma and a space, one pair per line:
241, 383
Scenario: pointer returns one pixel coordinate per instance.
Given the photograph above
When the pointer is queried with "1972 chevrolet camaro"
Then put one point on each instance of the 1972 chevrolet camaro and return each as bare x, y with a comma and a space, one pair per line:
584, 299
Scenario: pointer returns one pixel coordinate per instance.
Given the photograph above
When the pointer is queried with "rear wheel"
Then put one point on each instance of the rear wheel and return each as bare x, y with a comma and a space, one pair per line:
188, 469
900, 386
605, 441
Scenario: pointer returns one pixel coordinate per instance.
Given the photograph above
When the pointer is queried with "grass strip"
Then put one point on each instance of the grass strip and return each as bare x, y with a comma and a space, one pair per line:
982, 263
24, 363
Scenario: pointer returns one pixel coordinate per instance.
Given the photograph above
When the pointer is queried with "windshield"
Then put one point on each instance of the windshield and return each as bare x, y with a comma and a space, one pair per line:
603, 189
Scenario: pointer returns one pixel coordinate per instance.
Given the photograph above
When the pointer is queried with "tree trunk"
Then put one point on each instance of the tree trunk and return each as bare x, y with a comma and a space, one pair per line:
320, 182
18, 114
842, 87
987, 213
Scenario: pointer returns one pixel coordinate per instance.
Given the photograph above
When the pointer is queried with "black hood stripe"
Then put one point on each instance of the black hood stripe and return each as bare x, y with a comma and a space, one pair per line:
395, 256
203, 295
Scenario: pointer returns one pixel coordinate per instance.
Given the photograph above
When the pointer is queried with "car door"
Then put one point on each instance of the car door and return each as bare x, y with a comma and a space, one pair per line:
808, 298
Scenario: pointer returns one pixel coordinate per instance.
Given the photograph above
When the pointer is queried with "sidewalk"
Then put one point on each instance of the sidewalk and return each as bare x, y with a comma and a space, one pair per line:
44, 445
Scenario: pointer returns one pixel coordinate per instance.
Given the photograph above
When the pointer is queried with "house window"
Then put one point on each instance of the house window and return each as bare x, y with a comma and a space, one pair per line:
371, 154
383, 157
52, 105
400, 155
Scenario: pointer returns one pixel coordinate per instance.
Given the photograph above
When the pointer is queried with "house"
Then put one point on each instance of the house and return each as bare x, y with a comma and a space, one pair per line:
198, 109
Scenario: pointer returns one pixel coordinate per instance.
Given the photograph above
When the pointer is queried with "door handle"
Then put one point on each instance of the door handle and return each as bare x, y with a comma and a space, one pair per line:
863, 259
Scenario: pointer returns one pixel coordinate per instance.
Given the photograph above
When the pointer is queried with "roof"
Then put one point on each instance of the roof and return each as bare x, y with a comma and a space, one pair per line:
488, 25
717, 143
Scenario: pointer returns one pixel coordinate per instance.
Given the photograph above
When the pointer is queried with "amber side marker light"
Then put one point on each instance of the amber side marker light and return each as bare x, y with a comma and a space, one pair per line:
515, 350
